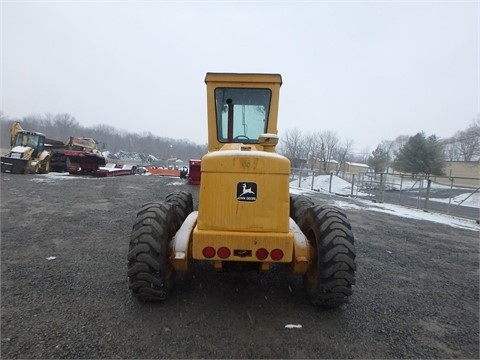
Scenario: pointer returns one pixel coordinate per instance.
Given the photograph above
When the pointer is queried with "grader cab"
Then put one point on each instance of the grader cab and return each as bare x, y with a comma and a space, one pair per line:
246, 218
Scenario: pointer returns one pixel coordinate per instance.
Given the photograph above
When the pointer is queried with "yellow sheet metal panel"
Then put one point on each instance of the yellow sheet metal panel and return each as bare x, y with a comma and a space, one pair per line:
242, 245
243, 78
244, 158
244, 191
225, 202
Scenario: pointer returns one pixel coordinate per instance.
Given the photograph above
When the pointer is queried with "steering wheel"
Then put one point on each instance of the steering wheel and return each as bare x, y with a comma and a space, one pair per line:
238, 137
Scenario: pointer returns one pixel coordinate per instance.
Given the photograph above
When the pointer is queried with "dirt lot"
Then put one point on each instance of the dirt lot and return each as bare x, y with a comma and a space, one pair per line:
417, 292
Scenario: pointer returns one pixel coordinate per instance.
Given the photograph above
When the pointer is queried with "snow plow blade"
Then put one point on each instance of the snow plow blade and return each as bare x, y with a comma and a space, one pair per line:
115, 170
163, 172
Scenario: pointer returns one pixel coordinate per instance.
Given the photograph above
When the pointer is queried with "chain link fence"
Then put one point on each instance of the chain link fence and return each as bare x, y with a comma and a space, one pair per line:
459, 196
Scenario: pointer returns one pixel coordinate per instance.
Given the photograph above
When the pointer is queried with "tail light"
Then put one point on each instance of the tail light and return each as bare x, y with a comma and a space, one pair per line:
262, 254
223, 252
276, 254
208, 252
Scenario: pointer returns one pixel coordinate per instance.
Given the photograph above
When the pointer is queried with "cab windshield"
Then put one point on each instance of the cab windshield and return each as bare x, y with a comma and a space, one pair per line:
250, 113
31, 140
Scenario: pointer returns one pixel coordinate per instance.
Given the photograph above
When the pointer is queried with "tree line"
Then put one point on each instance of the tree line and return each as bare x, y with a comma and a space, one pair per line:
418, 154
315, 150
62, 126
427, 154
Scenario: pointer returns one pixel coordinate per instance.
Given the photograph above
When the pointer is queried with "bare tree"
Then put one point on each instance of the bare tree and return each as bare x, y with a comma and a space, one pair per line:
343, 153
467, 142
317, 149
383, 155
293, 147
362, 156
329, 142
380, 158
313, 148
61, 126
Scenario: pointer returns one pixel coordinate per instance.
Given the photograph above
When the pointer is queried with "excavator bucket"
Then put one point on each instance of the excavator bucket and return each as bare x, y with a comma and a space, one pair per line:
13, 165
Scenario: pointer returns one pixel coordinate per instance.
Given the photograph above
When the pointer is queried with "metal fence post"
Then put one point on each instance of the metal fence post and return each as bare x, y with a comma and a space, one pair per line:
450, 196
420, 187
400, 192
353, 183
427, 196
381, 188
330, 183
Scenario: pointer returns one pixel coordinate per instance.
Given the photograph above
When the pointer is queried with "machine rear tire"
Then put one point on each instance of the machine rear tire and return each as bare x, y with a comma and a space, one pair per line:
150, 273
331, 275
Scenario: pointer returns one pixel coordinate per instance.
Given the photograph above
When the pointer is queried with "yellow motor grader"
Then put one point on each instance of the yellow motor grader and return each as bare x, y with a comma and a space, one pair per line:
246, 218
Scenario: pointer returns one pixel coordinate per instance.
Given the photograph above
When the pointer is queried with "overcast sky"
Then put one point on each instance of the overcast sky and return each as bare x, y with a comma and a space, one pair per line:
366, 70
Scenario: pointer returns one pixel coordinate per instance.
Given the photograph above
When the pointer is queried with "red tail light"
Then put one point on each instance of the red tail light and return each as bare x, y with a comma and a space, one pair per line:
261, 254
276, 254
208, 252
223, 252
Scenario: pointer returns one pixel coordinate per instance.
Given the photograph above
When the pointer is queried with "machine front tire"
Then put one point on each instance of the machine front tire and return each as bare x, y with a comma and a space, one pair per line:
44, 166
298, 205
183, 203
150, 273
331, 275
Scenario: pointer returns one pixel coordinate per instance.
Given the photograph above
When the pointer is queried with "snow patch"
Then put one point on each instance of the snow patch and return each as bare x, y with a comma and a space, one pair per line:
293, 326
409, 213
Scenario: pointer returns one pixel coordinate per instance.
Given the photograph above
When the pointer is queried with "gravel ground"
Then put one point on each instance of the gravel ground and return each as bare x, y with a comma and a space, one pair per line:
417, 292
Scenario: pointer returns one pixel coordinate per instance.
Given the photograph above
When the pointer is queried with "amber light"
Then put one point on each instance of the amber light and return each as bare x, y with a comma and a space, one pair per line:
223, 252
261, 254
208, 252
276, 254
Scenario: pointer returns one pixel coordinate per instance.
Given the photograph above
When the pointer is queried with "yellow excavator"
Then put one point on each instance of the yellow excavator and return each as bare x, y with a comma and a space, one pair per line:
32, 153
246, 217
27, 152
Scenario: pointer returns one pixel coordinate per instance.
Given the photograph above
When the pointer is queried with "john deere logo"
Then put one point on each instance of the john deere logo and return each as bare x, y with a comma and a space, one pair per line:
246, 191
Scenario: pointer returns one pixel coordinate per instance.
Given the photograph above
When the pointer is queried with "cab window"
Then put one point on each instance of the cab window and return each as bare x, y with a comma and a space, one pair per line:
250, 113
